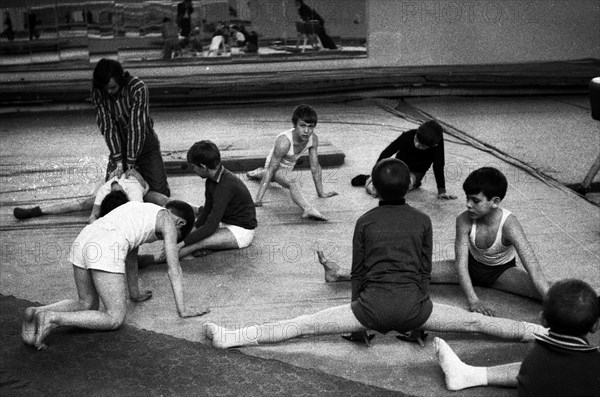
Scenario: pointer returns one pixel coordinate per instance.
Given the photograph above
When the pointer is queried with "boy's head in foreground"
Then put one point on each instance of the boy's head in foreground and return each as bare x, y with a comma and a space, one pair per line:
204, 155
429, 134
391, 179
185, 214
485, 188
304, 119
571, 307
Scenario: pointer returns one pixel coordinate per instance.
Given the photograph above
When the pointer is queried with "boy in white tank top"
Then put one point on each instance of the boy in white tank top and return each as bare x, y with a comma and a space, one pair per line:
289, 146
488, 238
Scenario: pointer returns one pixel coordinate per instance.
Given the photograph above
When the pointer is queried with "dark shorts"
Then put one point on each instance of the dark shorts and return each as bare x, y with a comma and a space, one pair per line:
392, 307
484, 275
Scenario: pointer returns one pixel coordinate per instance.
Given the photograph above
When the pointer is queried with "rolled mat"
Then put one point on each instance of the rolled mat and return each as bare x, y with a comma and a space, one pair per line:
135, 362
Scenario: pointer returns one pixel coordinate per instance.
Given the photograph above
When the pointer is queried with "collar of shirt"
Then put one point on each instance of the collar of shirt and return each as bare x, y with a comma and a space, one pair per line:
219, 174
392, 202
567, 342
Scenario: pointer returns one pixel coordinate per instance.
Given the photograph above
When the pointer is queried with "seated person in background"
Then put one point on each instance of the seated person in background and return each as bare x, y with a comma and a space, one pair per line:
288, 148
487, 225
251, 45
131, 183
309, 14
220, 41
238, 38
228, 218
391, 267
562, 363
110, 273
419, 149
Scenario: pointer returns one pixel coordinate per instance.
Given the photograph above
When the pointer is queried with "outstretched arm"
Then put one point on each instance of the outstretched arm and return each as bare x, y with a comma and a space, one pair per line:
516, 236
282, 146
315, 169
461, 249
166, 227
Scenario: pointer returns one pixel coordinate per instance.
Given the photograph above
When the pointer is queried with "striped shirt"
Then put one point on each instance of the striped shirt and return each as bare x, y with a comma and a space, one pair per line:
124, 120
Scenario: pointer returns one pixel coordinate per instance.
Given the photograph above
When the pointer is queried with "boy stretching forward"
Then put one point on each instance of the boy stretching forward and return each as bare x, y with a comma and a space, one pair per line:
289, 146
391, 268
562, 363
105, 268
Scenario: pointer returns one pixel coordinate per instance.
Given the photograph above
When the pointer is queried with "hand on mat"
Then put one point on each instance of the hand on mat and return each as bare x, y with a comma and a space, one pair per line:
362, 337
479, 307
415, 336
143, 296
194, 312
328, 194
447, 196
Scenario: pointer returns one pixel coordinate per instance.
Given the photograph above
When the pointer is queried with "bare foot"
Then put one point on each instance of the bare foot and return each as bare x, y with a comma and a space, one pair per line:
455, 371
223, 338
313, 214
256, 174
333, 271
44, 325
28, 327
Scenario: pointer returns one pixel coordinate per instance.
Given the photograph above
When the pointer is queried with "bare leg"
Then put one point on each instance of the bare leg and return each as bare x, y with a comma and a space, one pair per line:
333, 272
222, 239
517, 281
461, 376
111, 288
445, 318
74, 205
295, 188
335, 320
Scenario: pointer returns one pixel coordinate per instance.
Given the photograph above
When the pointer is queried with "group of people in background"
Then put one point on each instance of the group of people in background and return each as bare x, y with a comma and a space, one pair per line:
391, 269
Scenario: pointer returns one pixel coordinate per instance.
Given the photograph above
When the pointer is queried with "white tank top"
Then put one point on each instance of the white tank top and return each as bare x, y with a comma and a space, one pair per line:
498, 254
289, 159
134, 220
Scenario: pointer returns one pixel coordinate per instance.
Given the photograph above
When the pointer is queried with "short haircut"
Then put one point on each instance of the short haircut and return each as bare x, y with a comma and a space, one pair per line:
105, 70
391, 179
204, 153
571, 307
306, 113
185, 212
112, 200
487, 180
430, 133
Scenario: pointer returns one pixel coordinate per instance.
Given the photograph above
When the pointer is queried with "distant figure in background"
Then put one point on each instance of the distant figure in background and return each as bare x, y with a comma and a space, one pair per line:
309, 14
8, 31
31, 24
171, 47
251, 41
184, 18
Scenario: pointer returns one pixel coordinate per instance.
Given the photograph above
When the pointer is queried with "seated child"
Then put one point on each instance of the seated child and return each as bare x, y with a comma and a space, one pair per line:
391, 267
419, 149
288, 148
562, 363
105, 268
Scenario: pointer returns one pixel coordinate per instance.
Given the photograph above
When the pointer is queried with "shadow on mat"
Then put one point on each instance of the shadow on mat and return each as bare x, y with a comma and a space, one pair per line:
135, 362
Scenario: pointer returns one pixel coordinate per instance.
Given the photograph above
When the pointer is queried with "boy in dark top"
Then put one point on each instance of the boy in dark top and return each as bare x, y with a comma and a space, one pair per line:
391, 267
228, 218
419, 149
562, 363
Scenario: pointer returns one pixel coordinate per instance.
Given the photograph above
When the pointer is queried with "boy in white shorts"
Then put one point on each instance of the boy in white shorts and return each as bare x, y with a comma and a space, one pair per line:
105, 268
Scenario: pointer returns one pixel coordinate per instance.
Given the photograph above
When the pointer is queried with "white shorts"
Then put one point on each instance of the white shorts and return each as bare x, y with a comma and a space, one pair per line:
99, 249
243, 236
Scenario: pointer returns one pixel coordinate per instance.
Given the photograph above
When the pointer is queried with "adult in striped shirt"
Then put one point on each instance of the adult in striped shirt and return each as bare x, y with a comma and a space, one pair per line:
123, 116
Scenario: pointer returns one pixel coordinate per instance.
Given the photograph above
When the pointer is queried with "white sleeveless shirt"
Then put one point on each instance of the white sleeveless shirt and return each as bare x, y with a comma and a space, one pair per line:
498, 254
134, 220
290, 158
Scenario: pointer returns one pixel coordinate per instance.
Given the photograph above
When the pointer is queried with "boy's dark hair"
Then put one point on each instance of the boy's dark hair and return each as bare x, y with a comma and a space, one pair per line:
112, 200
571, 307
430, 133
185, 212
305, 113
105, 70
391, 178
487, 180
204, 153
